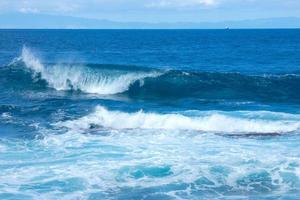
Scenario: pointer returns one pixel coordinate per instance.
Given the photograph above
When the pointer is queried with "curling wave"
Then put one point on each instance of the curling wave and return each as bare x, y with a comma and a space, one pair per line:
147, 83
221, 122
222, 86
83, 78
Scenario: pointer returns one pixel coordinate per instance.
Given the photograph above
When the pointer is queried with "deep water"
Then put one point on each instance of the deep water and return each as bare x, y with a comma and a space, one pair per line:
150, 114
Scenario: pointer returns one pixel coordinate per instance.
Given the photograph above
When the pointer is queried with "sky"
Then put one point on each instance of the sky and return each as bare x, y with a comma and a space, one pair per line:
157, 10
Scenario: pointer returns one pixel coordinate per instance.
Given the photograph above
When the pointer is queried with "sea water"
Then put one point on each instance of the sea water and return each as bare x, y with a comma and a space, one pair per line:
149, 114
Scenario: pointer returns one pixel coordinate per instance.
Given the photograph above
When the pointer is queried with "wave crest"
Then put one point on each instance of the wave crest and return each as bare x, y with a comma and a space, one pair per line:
76, 77
206, 122
219, 86
154, 84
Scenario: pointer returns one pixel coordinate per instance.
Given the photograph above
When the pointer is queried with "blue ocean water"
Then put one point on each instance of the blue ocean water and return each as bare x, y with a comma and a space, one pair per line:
149, 114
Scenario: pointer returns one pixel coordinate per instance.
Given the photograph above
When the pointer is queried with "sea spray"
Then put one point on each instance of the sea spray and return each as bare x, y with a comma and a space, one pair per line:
78, 77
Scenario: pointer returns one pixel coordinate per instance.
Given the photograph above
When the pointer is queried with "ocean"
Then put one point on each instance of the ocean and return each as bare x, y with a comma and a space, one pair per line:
150, 114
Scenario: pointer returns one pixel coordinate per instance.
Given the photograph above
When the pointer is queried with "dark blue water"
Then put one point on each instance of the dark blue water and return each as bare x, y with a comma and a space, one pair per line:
149, 114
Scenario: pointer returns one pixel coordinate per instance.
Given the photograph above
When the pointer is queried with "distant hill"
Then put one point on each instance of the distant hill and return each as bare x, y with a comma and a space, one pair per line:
19, 20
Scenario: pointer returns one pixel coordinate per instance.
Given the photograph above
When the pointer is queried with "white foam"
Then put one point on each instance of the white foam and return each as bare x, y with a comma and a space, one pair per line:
130, 161
6, 116
213, 122
66, 77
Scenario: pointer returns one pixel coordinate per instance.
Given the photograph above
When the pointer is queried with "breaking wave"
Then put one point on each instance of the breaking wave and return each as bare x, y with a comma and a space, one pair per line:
85, 79
148, 83
214, 121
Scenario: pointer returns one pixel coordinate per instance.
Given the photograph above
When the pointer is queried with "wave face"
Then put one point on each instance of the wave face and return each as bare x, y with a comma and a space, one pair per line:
176, 84
143, 83
86, 79
201, 121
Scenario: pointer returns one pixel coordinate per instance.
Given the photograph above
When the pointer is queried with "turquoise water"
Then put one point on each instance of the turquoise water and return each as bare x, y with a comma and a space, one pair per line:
165, 114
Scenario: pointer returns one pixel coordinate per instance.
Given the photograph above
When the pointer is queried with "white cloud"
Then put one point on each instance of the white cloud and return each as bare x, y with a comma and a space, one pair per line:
29, 10
65, 7
157, 10
181, 3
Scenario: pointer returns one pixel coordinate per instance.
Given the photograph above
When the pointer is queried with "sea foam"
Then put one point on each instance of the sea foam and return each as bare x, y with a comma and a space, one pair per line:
208, 122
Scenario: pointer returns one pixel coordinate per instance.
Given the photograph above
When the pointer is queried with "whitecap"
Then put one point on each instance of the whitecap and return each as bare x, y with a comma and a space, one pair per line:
207, 122
76, 77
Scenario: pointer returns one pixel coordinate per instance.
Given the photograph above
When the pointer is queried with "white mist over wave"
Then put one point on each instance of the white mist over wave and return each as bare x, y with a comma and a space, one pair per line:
213, 122
66, 77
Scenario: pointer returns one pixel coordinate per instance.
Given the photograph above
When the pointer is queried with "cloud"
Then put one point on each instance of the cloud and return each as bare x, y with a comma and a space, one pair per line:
29, 10
157, 10
66, 7
181, 3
